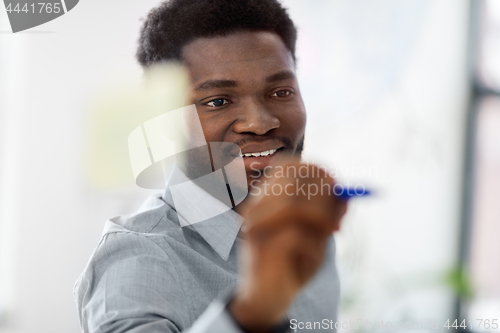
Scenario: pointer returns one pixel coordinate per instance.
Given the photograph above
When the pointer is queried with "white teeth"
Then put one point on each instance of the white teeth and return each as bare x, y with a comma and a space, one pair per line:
263, 153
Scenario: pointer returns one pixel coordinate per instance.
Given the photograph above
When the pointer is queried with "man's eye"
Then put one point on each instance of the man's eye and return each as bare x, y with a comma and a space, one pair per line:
281, 93
217, 102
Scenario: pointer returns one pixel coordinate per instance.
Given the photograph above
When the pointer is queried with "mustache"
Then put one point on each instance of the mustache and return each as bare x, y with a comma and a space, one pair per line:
284, 141
222, 153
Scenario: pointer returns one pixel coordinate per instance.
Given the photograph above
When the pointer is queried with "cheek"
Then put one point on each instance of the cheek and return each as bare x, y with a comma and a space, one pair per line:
295, 122
303, 120
214, 127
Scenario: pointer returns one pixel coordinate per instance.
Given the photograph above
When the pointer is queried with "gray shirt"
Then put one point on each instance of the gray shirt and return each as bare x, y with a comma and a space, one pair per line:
148, 274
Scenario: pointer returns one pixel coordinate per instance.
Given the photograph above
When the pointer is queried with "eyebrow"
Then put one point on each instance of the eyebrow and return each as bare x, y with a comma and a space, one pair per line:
211, 84
280, 76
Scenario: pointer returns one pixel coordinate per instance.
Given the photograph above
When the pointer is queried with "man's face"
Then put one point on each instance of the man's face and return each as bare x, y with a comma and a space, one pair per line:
245, 90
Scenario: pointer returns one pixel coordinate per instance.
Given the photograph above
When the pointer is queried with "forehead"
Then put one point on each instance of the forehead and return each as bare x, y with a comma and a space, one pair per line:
237, 56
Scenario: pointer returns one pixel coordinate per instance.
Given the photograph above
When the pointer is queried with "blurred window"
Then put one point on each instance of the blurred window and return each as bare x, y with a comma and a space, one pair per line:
488, 60
484, 260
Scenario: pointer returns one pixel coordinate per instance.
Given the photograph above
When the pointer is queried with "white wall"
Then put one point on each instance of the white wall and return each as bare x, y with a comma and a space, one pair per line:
384, 84
50, 217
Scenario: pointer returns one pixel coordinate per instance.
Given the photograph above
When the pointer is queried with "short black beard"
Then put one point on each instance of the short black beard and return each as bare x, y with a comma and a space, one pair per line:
300, 147
195, 163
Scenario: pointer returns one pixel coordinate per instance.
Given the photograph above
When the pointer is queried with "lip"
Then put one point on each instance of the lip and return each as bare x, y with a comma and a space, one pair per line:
257, 148
254, 163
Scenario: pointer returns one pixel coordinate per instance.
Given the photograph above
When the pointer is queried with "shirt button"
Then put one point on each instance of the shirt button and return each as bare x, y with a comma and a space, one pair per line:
244, 228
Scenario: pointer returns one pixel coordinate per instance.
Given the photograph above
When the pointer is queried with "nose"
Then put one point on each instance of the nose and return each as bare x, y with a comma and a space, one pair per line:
255, 118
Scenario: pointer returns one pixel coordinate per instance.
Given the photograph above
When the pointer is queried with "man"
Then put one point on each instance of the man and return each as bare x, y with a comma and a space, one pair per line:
149, 274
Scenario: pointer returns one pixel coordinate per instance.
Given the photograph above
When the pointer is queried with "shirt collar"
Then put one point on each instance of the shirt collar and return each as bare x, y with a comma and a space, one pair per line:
220, 231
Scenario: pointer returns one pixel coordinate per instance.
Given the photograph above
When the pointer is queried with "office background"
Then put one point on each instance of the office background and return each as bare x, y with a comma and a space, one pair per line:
402, 96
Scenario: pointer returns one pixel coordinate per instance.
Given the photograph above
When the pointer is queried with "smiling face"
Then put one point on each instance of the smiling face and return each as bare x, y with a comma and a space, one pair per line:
246, 92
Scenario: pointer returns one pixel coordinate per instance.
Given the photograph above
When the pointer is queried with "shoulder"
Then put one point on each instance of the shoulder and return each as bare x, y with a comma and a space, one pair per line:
130, 278
153, 215
126, 267
133, 244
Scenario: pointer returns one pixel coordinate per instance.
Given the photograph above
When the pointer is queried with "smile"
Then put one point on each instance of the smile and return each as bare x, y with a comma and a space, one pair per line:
262, 153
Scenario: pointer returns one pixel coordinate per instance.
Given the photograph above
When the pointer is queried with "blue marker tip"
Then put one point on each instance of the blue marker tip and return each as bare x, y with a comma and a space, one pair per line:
346, 193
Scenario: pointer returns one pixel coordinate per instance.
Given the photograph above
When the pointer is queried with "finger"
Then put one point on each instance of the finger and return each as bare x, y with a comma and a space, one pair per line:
264, 225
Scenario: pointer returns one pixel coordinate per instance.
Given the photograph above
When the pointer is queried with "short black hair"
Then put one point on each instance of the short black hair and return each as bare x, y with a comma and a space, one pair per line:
175, 23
